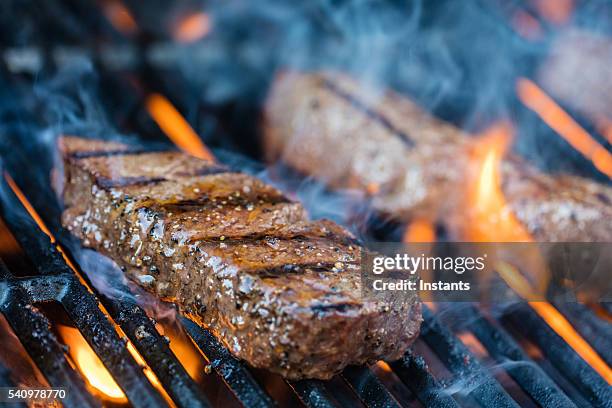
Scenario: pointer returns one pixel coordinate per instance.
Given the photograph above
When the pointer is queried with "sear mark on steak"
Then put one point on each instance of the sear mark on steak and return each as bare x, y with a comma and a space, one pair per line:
280, 291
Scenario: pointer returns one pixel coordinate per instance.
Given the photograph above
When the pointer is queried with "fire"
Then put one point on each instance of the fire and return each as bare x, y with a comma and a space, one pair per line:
490, 219
538, 101
176, 127
556, 11
472, 343
120, 17
90, 366
384, 366
555, 320
41, 224
420, 230
192, 28
183, 348
495, 222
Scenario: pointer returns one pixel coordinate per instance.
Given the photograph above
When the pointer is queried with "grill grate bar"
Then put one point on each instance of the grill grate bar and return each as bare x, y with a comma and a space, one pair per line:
152, 346
368, 387
232, 371
32, 329
597, 332
500, 345
313, 393
412, 370
592, 386
82, 307
486, 390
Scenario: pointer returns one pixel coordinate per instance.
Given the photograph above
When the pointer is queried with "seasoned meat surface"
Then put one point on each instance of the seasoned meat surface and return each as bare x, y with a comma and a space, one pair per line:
411, 164
280, 291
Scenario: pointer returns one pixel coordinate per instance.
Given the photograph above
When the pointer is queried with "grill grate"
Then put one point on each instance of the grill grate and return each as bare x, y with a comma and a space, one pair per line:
570, 382
57, 282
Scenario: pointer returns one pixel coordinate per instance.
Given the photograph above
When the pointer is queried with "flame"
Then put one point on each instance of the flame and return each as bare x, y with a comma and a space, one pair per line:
420, 230
495, 222
192, 28
183, 348
473, 344
90, 366
120, 17
131, 348
490, 219
555, 320
176, 127
556, 11
384, 366
538, 101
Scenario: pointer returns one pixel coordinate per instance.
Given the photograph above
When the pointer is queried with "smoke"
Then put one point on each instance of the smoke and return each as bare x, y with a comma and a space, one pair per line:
460, 55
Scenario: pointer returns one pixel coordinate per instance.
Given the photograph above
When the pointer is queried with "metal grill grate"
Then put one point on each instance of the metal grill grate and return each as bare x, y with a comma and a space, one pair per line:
59, 283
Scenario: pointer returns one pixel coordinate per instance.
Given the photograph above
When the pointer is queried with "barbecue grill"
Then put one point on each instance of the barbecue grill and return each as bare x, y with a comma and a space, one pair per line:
466, 355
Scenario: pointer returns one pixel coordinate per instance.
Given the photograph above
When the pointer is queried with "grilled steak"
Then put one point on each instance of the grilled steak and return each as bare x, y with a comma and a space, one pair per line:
413, 165
235, 255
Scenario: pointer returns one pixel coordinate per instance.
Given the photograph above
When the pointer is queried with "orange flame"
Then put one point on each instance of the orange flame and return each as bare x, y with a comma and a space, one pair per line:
420, 230
490, 219
555, 320
472, 343
556, 11
176, 127
538, 101
183, 348
192, 28
120, 17
90, 366
494, 221
36, 217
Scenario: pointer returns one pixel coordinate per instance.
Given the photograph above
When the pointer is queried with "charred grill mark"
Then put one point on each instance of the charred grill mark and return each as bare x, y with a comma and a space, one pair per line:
206, 171
369, 112
205, 202
603, 198
107, 183
332, 239
291, 269
109, 153
322, 308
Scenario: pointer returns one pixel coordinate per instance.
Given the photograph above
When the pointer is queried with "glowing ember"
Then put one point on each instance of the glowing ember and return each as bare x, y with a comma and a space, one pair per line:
89, 364
489, 217
537, 100
192, 28
176, 127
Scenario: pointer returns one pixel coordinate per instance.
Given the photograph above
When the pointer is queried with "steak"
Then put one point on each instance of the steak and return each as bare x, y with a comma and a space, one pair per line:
412, 165
236, 256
